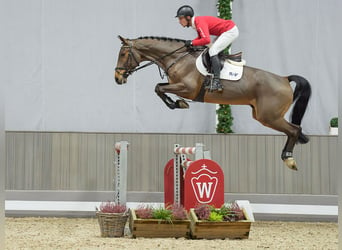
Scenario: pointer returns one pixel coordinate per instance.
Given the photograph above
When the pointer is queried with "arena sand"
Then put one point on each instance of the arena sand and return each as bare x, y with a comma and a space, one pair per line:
84, 233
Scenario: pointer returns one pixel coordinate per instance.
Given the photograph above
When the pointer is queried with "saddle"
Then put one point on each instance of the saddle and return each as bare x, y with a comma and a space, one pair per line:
223, 57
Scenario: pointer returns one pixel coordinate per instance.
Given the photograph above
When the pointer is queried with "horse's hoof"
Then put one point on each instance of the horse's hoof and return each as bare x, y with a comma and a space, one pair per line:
181, 104
291, 163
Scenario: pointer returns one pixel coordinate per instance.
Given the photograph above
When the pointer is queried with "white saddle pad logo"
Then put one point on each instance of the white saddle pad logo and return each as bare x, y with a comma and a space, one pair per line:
229, 71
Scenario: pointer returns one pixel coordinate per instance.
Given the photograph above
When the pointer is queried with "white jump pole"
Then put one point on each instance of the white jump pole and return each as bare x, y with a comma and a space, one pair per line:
120, 174
180, 159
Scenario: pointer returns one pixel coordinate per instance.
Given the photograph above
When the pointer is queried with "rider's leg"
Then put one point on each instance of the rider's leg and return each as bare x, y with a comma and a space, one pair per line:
216, 67
222, 42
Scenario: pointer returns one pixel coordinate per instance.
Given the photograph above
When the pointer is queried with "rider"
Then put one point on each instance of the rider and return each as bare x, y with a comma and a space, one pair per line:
225, 30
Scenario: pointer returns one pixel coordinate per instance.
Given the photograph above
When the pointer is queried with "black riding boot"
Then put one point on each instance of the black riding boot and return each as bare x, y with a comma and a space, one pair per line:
216, 67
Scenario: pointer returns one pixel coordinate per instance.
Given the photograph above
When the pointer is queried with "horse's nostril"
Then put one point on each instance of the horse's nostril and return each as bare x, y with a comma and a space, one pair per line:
117, 80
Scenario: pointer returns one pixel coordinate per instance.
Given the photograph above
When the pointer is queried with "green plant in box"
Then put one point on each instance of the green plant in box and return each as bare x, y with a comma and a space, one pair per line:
215, 216
334, 122
162, 214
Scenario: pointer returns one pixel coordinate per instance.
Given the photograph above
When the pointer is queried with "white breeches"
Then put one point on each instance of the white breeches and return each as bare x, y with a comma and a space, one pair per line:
223, 41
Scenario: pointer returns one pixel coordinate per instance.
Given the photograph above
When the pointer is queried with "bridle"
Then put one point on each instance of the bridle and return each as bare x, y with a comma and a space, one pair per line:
128, 69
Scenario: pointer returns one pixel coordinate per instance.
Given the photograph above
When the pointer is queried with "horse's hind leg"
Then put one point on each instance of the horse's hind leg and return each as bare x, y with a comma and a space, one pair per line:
181, 104
292, 131
287, 153
303, 139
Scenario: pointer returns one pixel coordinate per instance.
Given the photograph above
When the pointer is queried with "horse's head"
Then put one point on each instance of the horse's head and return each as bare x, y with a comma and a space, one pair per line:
128, 60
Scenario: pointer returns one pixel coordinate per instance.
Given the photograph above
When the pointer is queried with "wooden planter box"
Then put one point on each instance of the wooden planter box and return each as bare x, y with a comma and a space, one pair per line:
201, 229
152, 228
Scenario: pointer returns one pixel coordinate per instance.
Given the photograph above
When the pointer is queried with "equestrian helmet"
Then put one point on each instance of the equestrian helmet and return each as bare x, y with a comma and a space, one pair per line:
185, 10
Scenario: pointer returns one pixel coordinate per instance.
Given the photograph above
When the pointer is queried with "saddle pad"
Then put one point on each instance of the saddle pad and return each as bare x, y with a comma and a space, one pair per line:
229, 71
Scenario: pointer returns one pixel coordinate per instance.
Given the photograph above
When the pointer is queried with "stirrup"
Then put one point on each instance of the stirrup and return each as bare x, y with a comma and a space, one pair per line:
216, 85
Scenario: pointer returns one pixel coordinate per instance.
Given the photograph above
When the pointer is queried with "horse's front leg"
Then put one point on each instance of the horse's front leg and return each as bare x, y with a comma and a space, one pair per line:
161, 88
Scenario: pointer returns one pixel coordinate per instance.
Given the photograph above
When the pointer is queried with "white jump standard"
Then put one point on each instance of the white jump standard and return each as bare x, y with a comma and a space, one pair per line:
120, 174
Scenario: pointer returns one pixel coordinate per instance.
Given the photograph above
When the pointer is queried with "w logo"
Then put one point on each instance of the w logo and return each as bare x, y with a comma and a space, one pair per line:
204, 187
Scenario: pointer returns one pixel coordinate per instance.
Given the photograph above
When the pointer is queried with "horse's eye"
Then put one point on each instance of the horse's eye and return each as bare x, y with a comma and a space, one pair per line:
122, 54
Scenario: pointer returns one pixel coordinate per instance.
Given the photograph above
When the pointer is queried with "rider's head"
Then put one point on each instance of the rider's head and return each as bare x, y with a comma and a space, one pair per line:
184, 14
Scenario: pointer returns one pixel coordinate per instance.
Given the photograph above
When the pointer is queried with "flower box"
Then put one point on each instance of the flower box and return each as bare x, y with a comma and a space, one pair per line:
154, 228
201, 229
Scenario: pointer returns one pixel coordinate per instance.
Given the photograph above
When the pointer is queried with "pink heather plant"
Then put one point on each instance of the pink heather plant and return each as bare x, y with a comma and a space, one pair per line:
144, 212
178, 212
202, 211
112, 207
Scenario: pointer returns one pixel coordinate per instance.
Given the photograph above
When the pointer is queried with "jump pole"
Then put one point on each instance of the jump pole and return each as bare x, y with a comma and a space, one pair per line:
120, 172
180, 160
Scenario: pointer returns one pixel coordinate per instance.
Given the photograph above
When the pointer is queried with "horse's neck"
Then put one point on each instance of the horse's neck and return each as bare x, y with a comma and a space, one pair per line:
159, 52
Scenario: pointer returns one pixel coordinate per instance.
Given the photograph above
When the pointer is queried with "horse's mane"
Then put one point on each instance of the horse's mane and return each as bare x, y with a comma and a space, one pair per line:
161, 38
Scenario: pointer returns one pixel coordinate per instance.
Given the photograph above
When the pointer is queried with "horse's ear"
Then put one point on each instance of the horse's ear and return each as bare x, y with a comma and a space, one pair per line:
123, 40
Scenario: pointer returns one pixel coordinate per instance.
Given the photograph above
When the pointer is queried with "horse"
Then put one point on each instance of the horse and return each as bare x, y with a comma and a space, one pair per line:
269, 95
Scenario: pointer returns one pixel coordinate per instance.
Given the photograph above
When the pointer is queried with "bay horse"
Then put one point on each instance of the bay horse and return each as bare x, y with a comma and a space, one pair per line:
269, 95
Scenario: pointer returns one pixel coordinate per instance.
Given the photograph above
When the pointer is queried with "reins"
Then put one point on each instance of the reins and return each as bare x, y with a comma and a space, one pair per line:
131, 55
158, 59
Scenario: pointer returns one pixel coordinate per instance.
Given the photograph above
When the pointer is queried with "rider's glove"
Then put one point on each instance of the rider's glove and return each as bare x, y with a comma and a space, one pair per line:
188, 43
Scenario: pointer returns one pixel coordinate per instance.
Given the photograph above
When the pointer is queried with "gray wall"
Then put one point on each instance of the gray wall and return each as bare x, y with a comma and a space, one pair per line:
83, 161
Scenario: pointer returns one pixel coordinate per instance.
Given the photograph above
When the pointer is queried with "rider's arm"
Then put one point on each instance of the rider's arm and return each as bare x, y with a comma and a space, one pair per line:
203, 33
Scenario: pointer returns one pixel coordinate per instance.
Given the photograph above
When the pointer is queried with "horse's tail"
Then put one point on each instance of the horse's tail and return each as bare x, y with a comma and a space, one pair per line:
301, 97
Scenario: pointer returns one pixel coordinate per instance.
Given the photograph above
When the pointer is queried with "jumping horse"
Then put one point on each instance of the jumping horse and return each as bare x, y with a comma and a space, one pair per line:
269, 95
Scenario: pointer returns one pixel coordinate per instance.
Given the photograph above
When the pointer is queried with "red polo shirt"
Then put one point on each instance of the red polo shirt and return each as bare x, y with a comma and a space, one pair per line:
209, 25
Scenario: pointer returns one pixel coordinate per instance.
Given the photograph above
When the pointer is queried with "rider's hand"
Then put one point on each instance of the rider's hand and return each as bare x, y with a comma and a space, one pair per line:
188, 43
